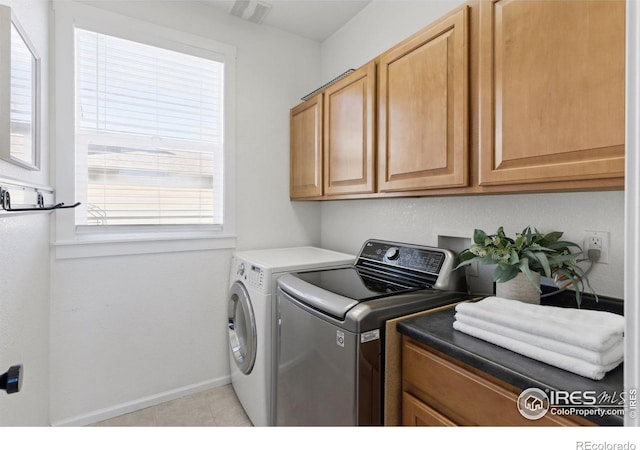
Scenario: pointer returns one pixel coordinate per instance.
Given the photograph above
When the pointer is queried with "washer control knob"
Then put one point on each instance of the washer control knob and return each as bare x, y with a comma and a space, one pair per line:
241, 269
392, 253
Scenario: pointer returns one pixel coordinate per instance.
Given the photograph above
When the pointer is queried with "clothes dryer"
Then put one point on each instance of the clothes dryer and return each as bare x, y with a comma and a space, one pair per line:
251, 319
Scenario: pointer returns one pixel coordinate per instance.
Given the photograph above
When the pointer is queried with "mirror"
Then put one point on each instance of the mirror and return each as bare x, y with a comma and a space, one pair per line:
19, 95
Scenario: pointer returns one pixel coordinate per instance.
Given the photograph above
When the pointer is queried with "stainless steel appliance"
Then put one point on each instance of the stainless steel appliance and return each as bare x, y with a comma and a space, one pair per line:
331, 329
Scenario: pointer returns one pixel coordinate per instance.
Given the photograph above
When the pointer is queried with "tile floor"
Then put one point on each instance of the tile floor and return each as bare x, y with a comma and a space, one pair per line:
215, 407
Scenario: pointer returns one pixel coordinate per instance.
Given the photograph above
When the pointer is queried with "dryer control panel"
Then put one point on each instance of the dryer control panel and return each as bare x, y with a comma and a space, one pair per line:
255, 277
251, 275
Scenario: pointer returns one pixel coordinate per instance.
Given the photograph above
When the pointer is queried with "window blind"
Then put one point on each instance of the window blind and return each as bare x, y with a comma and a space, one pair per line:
149, 134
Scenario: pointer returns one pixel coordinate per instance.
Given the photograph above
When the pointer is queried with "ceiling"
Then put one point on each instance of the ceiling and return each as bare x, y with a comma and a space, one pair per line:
313, 19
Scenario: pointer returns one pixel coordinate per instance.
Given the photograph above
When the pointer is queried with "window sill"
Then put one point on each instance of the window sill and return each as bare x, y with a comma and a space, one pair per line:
101, 245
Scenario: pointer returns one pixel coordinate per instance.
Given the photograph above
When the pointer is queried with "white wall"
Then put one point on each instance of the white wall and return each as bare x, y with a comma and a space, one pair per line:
128, 331
24, 264
378, 27
422, 220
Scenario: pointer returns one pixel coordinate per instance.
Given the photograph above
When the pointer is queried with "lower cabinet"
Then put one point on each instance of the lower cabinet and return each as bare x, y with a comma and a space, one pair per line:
418, 414
440, 391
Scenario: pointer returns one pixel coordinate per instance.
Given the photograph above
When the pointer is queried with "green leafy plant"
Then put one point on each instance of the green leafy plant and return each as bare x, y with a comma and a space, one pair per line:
530, 251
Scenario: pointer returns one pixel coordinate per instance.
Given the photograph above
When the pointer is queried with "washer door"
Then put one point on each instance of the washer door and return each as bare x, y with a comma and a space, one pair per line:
242, 328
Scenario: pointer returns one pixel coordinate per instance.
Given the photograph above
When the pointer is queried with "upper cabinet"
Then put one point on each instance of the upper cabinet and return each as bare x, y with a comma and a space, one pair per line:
551, 90
422, 109
349, 133
498, 96
306, 149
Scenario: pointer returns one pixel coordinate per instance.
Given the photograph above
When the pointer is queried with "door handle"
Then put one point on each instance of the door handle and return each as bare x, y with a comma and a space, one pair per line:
11, 380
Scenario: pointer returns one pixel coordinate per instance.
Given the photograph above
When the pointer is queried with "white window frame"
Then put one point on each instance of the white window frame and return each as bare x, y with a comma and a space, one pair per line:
71, 241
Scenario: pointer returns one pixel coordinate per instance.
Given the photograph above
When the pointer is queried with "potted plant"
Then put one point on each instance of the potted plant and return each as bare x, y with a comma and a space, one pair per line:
528, 256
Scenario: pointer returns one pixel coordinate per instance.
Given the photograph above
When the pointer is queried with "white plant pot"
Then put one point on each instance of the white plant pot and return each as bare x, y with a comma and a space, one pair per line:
519, 288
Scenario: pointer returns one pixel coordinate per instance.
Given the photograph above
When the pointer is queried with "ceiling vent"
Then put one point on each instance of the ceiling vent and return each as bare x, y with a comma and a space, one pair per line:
251, 10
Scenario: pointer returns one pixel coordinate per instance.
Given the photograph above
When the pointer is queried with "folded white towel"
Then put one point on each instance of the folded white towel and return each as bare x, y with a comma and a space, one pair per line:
593, 330
568, 363
605, 357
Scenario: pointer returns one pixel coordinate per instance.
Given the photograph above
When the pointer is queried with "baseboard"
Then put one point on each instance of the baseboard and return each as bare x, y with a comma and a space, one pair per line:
145, 402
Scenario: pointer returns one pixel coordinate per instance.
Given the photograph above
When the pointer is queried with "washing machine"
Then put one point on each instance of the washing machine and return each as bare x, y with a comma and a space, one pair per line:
251, 320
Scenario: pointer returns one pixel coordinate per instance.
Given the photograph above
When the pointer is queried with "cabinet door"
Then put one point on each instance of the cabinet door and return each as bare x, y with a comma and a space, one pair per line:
349, 133
455, 393
306, 149
418, 414
551, 90
423, 109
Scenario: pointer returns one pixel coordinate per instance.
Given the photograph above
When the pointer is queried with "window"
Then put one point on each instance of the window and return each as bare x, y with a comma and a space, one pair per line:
148, 134
144, 136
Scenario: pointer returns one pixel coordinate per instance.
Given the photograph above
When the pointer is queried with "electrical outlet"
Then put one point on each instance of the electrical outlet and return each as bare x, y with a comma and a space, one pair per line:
472, 270
597, 240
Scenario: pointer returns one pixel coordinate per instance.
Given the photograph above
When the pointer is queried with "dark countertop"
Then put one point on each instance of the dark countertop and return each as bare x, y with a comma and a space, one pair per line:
436, 331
